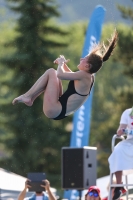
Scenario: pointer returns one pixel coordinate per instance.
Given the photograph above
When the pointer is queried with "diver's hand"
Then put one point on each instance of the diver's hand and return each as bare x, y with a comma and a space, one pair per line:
61, 60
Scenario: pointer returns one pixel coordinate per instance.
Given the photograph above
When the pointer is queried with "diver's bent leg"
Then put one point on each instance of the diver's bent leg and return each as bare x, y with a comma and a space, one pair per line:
39, 87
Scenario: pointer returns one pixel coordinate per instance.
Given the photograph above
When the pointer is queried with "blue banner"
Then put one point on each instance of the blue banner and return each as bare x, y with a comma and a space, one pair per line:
82, 117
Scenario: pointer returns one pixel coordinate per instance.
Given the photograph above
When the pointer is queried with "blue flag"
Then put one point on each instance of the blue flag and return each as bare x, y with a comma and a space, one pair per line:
82, 117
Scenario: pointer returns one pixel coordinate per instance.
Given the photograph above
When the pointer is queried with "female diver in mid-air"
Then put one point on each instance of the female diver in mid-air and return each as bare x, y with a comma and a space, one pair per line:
56, 104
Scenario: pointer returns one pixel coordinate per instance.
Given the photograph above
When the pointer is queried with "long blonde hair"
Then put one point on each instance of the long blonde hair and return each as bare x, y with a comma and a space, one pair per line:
100, 53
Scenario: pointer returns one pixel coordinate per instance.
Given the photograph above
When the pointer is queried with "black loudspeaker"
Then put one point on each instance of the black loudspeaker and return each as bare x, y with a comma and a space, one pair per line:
78, 168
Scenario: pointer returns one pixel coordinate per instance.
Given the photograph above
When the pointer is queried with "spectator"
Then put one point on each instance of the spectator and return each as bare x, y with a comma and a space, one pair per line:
121, 158
93, 193
37, 195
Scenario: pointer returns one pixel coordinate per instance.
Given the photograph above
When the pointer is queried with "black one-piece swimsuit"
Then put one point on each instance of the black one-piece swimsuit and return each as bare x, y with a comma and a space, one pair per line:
63, 99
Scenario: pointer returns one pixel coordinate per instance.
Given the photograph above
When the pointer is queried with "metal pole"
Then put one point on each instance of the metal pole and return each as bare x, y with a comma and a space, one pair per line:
80, 192
0, 194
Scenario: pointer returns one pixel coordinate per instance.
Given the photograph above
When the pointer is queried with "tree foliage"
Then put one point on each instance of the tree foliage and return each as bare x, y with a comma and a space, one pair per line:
35, 142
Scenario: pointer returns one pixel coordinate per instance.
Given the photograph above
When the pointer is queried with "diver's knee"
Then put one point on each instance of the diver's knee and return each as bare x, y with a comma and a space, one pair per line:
51, 71
48, 112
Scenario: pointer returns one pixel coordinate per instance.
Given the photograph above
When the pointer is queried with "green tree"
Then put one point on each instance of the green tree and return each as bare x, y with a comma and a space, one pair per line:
5, 78
36, 141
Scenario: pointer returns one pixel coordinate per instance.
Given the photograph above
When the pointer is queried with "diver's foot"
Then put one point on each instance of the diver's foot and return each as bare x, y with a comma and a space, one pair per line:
22, 99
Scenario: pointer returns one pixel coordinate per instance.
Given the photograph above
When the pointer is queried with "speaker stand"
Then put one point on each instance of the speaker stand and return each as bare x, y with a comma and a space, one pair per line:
80, 194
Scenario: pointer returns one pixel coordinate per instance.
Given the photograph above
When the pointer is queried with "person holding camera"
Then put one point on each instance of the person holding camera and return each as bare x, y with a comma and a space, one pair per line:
38, 195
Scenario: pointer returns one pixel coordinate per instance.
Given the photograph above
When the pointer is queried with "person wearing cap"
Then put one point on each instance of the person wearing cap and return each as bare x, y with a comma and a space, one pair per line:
121, 159
37, 195
93, 193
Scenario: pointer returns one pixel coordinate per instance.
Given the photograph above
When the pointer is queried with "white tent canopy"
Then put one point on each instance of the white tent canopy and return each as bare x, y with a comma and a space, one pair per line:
12, 181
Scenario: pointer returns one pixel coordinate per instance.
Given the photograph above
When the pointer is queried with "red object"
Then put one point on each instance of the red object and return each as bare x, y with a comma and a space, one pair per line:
94, 188
106, 198
123, 190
